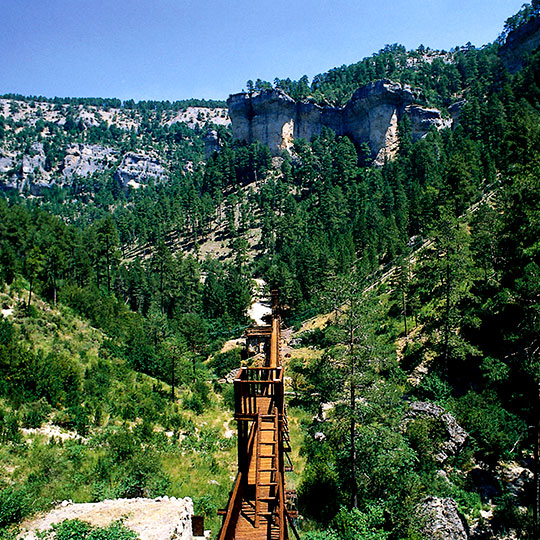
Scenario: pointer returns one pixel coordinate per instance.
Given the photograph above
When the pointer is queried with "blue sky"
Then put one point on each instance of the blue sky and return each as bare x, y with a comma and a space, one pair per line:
177, 49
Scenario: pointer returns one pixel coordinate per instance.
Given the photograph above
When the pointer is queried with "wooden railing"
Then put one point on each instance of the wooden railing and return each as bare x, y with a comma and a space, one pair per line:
252, 383
233, 510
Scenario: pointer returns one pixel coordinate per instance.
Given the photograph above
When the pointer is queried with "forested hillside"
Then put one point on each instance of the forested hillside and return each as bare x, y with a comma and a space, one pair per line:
416, 396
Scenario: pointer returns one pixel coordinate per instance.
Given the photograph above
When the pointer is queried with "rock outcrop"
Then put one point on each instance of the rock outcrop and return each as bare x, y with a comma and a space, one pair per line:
371, 116
163, 518
138, 169
442, 520
212, 143
28, 173
519, 43
86, 159
456, 435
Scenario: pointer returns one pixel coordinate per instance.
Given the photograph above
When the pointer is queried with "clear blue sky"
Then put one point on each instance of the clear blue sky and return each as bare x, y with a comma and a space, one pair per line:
177, 49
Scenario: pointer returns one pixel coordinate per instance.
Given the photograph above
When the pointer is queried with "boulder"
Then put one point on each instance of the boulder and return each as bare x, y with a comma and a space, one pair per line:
441, 520
212, 143
455, 433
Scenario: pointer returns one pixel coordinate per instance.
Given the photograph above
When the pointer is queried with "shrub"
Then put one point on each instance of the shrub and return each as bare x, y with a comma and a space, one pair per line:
223, 363
9, 428
75, 529
142, 476
14, 505
434, 388
494, 429
33, 415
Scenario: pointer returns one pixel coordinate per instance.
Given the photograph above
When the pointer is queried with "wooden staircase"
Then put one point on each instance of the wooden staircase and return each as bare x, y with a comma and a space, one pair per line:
257, 508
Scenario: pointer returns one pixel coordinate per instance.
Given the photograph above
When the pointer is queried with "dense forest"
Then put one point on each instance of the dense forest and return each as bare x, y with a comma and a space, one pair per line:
427, 268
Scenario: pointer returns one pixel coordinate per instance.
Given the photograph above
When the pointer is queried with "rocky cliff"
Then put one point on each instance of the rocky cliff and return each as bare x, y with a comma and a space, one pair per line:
519, 43
371, 116
44, 144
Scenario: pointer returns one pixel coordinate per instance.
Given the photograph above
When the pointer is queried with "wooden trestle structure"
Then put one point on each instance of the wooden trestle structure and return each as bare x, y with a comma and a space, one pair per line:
257, 508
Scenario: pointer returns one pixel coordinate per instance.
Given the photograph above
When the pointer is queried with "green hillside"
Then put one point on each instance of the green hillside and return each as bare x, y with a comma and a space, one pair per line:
412, 290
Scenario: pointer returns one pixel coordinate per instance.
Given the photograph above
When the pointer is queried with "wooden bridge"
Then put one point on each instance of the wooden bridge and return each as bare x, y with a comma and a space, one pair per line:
258, 507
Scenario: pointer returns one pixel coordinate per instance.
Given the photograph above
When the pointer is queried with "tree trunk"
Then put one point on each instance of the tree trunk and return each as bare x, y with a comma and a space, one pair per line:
108, 269
354, 494
173, 380
29, 297
404, 304
536, 509
447, 313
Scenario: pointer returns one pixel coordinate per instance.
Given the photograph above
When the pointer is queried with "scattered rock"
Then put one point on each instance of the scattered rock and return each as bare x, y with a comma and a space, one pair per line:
232, 375
86, 159
514, 477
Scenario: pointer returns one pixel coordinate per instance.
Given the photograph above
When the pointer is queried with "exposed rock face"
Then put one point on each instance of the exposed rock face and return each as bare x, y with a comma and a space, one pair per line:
371, 116
519, 43
137, 169
212, 143
32, 173
86, 159
27, 173
442, 520
162, 518
422, 119
199, 116
456, 434
275, 119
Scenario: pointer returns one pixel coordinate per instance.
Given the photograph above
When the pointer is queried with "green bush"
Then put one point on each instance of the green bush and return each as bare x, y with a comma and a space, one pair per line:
434, 388
75, 529
34, 414
426, 436
142, 476
15, 504
319, 477
494, 429
223, 363
9, 428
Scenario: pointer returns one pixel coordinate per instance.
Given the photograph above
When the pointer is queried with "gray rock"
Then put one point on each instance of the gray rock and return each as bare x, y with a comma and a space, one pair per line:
456, 434
519, 43
455, 110
86, 159
212, 143
7, 162
138, 169
232, 375
423, 119
371, 116
441, 520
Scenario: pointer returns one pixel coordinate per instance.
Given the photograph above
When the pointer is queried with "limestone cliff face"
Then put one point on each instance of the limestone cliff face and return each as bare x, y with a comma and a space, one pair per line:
522, 41
138, 169
275, 119
371, 116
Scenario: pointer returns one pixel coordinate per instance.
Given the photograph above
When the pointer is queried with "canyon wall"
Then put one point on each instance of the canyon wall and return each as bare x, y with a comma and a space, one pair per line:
371, 116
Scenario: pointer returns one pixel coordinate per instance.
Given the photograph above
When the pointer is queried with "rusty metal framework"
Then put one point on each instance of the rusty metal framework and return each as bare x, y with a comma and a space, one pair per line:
258, 507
